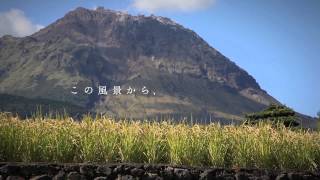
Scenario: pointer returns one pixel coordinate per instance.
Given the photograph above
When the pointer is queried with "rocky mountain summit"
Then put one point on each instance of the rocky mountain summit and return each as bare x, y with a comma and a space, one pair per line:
92, 48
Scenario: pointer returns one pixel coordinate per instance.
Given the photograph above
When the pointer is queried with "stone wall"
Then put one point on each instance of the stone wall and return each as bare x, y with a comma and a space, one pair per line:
42, 171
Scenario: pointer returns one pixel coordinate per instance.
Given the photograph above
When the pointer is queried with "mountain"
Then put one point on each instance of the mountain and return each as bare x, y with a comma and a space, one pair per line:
92, 48
25, 107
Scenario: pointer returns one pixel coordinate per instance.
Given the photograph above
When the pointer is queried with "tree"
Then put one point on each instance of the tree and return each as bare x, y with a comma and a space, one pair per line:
318, 120
274, 113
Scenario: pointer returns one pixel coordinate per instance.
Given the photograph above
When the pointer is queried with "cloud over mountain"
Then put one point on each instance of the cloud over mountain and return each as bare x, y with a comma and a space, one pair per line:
172, 5
15, 23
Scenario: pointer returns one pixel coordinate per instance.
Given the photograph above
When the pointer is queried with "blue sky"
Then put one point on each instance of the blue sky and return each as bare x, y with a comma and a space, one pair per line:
277, 42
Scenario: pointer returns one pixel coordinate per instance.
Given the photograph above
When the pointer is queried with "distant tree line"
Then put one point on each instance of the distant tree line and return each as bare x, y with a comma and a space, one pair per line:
318, 120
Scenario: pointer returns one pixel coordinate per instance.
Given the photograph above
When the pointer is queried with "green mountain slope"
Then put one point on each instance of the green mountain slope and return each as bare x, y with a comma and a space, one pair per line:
26, 107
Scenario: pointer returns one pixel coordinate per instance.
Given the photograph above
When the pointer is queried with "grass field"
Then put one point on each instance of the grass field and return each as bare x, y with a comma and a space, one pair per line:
106, 140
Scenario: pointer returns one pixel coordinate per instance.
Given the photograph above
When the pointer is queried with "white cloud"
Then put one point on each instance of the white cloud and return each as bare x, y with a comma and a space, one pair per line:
15, 23
171, 5
95, 7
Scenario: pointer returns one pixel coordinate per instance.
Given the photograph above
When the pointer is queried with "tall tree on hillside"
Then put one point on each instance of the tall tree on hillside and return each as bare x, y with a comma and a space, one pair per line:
274, 113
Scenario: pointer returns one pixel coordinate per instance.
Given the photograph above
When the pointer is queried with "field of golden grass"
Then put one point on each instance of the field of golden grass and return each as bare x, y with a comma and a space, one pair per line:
102, 139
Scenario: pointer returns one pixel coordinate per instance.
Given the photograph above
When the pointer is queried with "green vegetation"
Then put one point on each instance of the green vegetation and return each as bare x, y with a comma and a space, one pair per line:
26, 107
275, 114
318, 120
105, 140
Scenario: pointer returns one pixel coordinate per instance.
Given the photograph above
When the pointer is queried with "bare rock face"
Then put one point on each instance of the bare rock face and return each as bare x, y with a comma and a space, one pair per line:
105, 47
